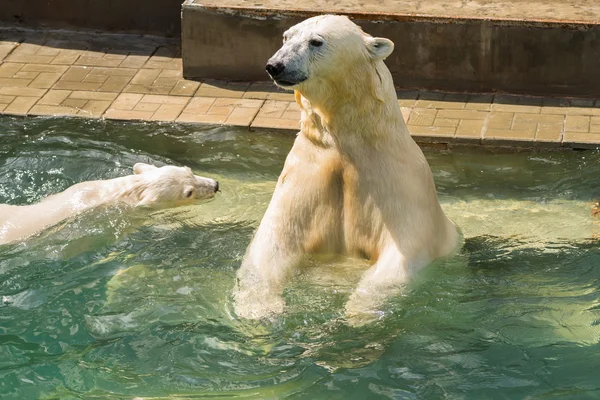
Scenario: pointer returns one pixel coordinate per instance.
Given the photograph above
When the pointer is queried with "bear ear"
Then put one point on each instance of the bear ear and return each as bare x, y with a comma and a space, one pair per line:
140, 168
379, 48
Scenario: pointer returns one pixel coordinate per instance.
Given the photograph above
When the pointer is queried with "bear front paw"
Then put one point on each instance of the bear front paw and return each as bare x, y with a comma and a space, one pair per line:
254, 305
363, 308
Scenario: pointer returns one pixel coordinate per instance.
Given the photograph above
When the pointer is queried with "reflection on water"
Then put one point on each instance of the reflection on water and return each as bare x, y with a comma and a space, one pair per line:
120, 303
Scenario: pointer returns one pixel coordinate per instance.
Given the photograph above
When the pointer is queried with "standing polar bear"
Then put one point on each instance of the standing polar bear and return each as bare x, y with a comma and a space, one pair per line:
150, 186
355, 183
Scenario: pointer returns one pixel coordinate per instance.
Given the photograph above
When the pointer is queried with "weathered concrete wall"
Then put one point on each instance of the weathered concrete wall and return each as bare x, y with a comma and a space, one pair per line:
160, 17
463, 55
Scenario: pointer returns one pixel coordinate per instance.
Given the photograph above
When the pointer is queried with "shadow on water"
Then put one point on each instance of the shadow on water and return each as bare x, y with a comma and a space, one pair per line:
120, 303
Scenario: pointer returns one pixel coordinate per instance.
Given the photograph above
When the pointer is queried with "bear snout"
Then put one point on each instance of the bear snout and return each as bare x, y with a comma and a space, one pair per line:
216, 186
275, 68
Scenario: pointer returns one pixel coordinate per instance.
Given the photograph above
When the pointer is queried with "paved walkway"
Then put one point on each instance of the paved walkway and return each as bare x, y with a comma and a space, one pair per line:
139, 78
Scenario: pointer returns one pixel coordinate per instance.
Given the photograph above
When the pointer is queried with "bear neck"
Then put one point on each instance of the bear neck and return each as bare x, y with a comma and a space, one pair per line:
127, 189
359, 109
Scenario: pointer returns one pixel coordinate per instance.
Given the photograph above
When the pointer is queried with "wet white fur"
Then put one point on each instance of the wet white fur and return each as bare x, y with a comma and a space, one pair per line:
355, 183
150, 186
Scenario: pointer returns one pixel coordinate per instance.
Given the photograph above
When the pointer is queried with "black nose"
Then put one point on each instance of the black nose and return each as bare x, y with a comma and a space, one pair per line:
216, 186
275, 69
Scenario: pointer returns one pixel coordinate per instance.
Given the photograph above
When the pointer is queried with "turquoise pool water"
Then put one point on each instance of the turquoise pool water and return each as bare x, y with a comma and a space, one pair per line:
118, 304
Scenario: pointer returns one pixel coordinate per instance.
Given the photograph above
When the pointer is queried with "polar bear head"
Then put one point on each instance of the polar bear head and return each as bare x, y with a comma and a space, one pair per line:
155, 186
323, 50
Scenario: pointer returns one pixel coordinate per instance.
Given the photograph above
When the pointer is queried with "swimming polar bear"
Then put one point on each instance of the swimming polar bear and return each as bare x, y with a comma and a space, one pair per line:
355, 182
150, 186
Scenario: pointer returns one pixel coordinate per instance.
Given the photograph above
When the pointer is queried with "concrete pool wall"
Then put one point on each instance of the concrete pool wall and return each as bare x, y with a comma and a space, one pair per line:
545, 48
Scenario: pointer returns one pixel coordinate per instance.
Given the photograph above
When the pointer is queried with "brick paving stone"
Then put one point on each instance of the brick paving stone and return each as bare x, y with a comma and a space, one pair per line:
211, 88
6, 47
220, 110
201, 118
20, 105
26, 75
442, 101
66, 57
128, 115
49, 110
147, 89
104, 71
94, 108
595, 124
595, 129
275, 123
268, 91
583, 111
538, 118
54, 97
445, 122
523, 125
6, 100
8, 69
95, 79
479, 102
495, 135
157, 99
22, 91
67, 85
232, 111
407, 98
126, 101
97, 59
134, 61
86, 95
280, 114
75, 74
146, 107
74, 103
549, 132
570, 138
423, 116
160, 81
462, 114
291, 112
196, 107
500, 120
168, 112
515, 108
165, 57
14, 82
184, 87
469, 128
241, 116
145, 76
30, 58
45, 80
114, 84
405, 113
577, 123
273, 109
432, 131
59, 69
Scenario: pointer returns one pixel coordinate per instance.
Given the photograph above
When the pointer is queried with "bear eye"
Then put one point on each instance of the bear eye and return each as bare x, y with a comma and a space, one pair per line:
315, 42
189, 193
